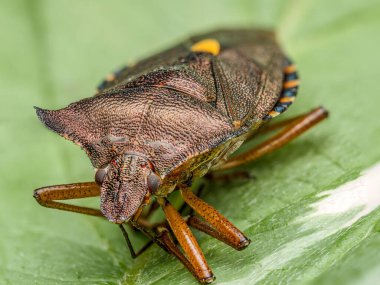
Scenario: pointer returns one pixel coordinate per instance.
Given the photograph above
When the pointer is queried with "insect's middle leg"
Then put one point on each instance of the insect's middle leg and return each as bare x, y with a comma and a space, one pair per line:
196, 262
220, 228
143, 219
165, 239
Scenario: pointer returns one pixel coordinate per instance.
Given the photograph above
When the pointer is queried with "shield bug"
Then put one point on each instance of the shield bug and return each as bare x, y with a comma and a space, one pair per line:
154, 127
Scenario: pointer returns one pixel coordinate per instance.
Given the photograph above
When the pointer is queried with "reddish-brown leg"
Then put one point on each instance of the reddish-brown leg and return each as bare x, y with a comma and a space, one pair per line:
144, 222
221, 229
199, 224
190, 246
164, 237
45, 196
293, 129
277, 125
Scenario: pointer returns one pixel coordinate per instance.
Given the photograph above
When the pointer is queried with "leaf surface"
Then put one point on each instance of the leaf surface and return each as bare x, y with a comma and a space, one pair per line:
55, 52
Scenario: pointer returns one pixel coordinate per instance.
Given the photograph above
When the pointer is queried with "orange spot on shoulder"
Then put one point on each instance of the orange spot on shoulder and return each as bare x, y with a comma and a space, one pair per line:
207, 45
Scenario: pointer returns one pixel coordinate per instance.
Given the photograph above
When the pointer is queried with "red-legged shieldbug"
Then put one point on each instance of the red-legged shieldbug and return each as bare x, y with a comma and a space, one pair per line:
154, 127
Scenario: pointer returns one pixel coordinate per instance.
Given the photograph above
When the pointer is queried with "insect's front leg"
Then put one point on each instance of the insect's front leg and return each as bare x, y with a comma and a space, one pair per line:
46, 197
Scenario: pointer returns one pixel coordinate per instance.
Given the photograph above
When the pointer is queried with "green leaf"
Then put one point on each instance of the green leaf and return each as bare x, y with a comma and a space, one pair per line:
55, 52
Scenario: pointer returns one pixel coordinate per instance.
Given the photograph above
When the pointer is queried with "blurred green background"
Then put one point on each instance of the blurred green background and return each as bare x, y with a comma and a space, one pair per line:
56, 52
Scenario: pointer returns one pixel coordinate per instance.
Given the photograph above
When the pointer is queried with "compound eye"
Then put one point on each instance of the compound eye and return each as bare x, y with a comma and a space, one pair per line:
100, 174
153, 182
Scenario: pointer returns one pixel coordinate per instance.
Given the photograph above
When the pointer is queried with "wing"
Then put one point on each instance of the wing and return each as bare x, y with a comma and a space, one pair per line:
243, 81
248, 73
165, 58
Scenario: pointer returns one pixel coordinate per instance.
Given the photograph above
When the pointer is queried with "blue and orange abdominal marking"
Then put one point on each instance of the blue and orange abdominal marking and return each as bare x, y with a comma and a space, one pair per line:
288, 93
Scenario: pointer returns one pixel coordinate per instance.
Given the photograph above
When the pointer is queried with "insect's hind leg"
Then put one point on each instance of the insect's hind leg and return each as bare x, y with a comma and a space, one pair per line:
290, 132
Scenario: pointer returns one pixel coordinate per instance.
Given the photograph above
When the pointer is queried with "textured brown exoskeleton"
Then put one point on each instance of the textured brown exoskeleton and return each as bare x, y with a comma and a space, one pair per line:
154, 127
